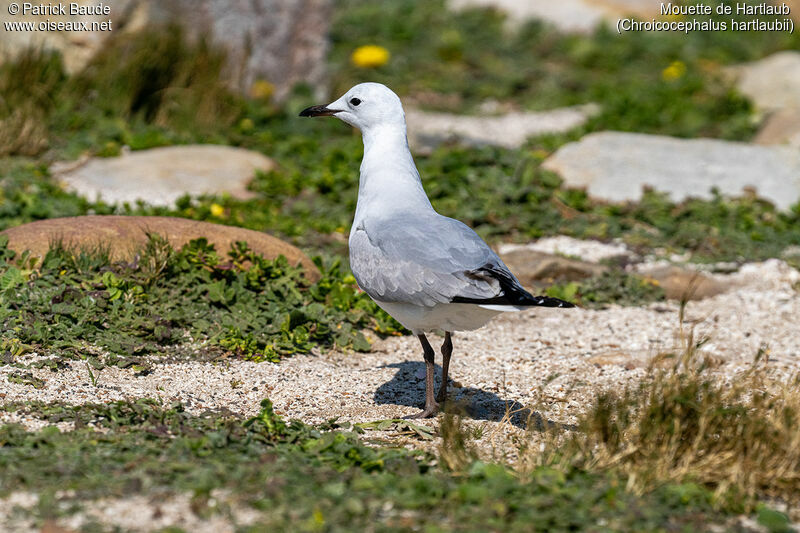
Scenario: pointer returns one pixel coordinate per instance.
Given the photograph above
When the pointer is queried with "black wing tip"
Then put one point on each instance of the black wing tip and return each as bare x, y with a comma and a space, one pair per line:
516, 300
512, 293
547, 301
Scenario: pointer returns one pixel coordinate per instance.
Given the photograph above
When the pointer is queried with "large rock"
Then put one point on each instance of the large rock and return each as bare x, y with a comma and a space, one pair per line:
160, 176
679, 283
534, 268
780, 127
616, 166
426, 130
124, 236
568, 15
586, 250
282, 42
773, 83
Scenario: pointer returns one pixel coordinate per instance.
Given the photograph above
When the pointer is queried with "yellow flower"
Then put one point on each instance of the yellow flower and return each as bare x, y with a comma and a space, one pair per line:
217, 210
370, 56
261, 90
675, 70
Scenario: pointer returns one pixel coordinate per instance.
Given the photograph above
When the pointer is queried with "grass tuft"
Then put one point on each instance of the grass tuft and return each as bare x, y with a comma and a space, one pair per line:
457, 449
738, 438
144, 89
161, 77
28, 93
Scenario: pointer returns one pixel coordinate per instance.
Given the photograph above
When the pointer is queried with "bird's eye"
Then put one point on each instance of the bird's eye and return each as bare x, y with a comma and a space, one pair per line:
355, 101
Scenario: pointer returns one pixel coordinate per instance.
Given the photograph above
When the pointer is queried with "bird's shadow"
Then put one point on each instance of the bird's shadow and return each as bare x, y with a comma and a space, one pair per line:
406, 388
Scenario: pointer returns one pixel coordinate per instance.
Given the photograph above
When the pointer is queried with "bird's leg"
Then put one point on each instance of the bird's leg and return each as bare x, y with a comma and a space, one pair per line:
431, 407
447, 351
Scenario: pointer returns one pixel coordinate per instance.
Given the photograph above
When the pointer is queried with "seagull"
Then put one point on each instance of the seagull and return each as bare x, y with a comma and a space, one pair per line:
428, 271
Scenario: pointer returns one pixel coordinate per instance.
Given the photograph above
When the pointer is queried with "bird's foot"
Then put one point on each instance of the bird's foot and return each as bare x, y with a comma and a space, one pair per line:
441, 398
429, 412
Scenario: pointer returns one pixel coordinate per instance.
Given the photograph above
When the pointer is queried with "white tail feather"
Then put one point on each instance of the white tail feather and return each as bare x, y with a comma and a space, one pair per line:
502, 307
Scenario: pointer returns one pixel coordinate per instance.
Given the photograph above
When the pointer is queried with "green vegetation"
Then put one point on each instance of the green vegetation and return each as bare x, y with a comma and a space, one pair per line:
503, 194
153, 88
679, 452
197, 303
169, 302
311, 196
310, 479
455, 61
613, 286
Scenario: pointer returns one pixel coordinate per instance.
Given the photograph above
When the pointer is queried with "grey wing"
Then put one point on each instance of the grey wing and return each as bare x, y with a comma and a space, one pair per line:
424, 261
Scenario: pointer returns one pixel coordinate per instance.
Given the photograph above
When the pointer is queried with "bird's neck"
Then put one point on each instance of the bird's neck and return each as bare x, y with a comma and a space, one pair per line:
389, 180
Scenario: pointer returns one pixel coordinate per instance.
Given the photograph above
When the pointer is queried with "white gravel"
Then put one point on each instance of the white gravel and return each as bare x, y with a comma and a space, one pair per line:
513, 359
133, 513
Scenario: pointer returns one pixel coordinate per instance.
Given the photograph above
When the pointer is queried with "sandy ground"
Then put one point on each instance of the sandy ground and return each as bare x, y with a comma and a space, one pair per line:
549, 360
556, 356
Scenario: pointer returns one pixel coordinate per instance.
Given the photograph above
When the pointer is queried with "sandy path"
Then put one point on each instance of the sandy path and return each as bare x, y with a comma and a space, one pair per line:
558, 357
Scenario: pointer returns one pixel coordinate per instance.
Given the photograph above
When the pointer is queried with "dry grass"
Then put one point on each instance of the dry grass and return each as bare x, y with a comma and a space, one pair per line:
738, 437
457, 448
27, 87
23, 132
162, 76
157, 77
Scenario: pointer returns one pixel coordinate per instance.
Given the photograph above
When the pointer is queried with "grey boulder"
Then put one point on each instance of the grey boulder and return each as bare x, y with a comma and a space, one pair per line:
426, 129
617, 166
160, 176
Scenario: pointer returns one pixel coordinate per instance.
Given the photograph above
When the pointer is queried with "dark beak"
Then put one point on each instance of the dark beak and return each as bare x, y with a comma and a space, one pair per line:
318, 111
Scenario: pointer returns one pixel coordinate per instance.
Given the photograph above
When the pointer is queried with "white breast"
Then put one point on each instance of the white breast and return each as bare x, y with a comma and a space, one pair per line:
447, 317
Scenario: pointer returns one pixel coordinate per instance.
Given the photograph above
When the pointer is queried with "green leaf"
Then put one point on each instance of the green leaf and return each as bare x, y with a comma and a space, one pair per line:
774, 521
11, 278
